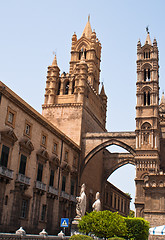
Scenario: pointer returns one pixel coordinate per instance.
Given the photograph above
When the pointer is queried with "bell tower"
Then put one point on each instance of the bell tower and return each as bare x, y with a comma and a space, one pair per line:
147, 117
91, 47
72, 100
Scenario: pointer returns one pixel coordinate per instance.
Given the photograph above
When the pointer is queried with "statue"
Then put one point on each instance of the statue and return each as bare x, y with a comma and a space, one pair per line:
81, 203
97, 204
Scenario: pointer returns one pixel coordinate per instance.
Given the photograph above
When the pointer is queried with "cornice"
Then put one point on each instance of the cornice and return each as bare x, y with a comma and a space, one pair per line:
13, 97
75, 105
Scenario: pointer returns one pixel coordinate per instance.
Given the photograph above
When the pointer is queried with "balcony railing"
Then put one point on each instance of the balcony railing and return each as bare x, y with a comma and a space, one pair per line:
52, 190
41, 185
73, 198
23, 179
6, 172
65, 195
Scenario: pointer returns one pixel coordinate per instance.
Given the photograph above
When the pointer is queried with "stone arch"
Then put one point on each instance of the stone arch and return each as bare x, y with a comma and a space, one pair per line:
146, 88
104, 145
123, 163
146, 65
146, 126
82, 43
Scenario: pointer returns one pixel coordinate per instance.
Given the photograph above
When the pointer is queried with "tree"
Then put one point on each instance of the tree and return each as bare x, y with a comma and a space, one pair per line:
131, 214
103, 224
137, 228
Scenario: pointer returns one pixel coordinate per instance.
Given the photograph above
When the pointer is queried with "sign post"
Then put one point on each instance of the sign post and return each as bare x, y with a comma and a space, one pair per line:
64, 223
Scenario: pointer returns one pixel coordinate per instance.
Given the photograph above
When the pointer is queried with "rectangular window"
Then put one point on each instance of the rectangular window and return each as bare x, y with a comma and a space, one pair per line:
24, 208
111, 197
72, 188
10, 117
106, 197
4, 156
0, 97
125, 207
39, 172
115, 202
43, 213
55, 147
122, 205
118, 203
22, 165
51, 182
63, 183
43, 140
27, 129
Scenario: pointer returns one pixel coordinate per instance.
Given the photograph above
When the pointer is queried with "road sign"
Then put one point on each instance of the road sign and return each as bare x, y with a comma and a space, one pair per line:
64, 222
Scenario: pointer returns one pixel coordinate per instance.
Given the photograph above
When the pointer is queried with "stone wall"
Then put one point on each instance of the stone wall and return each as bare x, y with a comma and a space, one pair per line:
6, 236
156, 237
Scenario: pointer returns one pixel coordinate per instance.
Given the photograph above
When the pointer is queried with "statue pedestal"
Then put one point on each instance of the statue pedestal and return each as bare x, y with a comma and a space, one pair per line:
74, 226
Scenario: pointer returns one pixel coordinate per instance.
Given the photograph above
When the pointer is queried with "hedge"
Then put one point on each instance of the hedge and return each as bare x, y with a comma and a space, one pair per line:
137, 228
80, 237
105, 224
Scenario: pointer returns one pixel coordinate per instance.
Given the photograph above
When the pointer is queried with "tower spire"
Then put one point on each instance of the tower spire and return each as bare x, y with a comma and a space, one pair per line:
87, 30
148, 39
54, 63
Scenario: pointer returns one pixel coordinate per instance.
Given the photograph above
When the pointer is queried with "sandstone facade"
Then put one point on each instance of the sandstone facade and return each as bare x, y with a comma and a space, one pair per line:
42, 156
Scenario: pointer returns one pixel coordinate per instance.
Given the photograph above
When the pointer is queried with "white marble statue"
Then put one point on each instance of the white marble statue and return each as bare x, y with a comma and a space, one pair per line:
81, 203
97, 204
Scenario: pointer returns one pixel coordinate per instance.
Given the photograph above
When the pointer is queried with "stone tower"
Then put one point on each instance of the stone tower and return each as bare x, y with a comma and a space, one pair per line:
147, 117
72, 100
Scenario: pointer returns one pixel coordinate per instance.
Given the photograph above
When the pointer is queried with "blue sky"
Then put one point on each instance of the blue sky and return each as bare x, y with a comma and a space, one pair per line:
32, 30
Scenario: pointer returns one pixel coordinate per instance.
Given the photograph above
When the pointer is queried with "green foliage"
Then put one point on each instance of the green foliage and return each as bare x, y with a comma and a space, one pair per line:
81, 237
115, 238
131, 214
103, 224
137, 228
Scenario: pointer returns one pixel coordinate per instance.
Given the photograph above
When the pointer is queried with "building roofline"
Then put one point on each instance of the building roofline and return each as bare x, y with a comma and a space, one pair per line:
117, 189
8, 93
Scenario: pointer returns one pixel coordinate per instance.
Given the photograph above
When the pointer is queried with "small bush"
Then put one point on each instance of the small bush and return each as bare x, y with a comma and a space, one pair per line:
103, 224
115, 238
80, 237
137, 228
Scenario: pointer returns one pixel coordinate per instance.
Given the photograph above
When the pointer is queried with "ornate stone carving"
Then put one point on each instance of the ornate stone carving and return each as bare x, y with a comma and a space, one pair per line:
97, 204
81, 203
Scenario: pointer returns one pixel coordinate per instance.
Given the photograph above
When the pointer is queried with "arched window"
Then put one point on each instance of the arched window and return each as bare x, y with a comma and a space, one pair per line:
145, 75
85, 53
66, 90
149, 74
145, 99
59, 86
81, 53
146, 54
73, 85
148, 98
146, 133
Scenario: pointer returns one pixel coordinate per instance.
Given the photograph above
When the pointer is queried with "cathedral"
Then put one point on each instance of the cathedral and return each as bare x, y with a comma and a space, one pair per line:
45, 158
